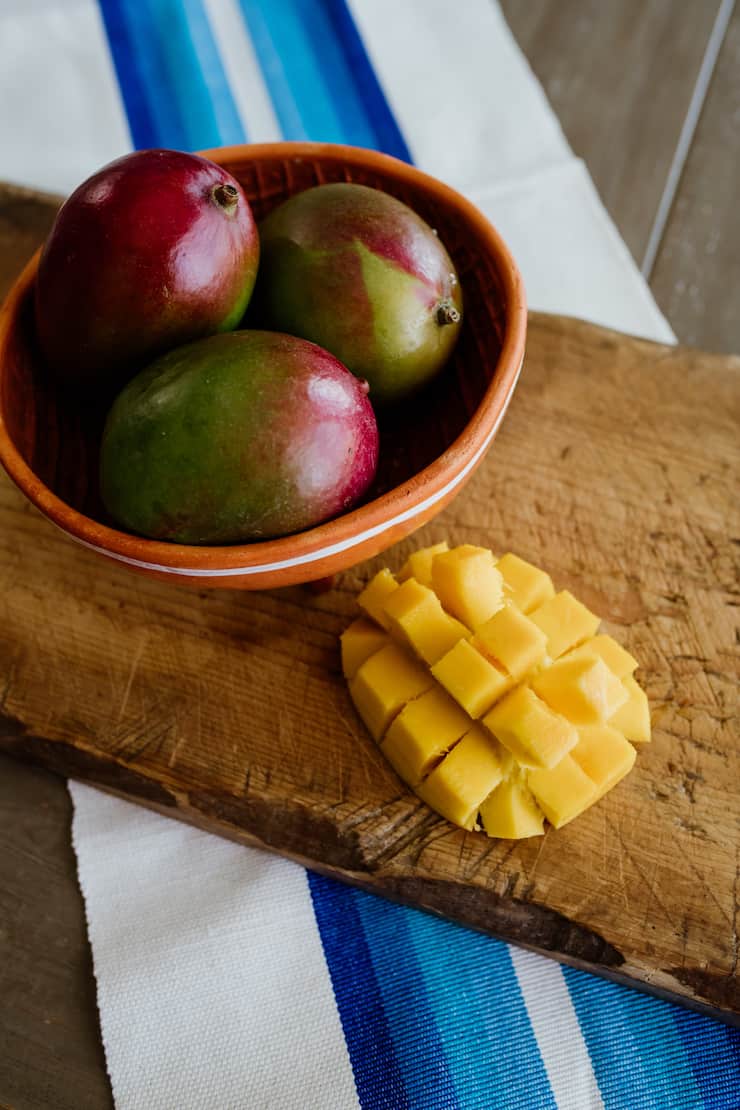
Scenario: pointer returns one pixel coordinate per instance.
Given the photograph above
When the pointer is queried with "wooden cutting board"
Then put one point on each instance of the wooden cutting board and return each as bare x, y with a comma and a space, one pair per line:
616, 469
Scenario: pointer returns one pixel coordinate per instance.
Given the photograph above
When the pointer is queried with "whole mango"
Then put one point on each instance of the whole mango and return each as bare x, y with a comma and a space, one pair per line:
360, 273
237, 437
156, 249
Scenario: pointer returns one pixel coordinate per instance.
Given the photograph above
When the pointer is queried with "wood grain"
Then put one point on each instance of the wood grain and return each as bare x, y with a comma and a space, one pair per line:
613, 470
620, 78
696, 278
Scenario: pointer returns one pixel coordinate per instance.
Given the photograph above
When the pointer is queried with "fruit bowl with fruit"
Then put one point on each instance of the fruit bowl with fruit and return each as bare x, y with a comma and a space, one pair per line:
154, 422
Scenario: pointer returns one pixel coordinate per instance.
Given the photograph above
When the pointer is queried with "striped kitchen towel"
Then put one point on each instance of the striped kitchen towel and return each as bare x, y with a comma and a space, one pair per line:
228, 978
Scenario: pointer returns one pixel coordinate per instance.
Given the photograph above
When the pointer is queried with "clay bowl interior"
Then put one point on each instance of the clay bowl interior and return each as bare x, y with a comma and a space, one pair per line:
51, 440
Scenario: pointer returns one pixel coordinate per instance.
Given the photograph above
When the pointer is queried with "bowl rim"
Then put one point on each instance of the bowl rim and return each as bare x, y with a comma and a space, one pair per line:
413, 497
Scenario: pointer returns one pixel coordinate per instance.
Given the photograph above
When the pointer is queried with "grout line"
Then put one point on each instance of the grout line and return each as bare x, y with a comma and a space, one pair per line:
686, 137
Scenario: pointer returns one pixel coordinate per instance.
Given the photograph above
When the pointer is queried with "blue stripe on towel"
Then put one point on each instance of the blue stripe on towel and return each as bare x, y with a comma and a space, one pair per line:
714, 1054
375, 1065
408, 1009
637, 1054
319, 76
481, 1016
172, 81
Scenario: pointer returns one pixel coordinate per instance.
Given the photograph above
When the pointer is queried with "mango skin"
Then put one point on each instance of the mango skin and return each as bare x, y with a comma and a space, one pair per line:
141, 258
237, 437
356, 271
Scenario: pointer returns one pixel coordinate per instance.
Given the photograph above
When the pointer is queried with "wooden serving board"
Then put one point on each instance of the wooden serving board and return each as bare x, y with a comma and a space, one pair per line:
616, 469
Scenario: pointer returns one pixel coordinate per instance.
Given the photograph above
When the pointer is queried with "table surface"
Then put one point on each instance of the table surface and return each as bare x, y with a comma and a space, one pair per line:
651, 102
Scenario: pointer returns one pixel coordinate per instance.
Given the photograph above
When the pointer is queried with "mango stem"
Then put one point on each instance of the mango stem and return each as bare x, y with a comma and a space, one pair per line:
226, 197
447, 314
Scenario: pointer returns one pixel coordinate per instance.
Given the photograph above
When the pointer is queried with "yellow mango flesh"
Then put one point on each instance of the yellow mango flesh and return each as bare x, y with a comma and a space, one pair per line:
384, 684
468, 584
497, 717
618, 660
376, 593
422, 732
565, 622
471, 679
526, 585
533, 733
419, 564
511, 812
462, 781
562, 791
511, 641
415, 617
361, 640
633, 718
604, 755
584, 690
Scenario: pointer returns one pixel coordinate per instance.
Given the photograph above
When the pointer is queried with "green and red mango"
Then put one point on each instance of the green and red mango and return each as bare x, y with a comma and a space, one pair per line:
237, 437
156, 249
358, 272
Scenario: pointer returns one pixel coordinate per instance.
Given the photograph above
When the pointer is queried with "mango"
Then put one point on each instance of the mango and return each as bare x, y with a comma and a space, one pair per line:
237, 437
468, 584
361, 640
358, 272
155, 250
526, 717
415, 617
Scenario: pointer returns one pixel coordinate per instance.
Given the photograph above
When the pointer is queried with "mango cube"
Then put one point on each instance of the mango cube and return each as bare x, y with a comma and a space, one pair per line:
618, 660
361, 640
422, 732
511, 812
416, 617
384, 684
376, 593
511, 641
563, 791
419, 564
584, 689
464, 778
468, 584
527, 586
604, 755
534, 735
565, 622
633, 717
473, 682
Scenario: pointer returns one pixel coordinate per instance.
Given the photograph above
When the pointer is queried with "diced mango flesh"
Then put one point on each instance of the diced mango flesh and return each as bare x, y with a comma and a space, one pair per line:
376, 593
419, 564
422, 732
468, 584
361, 640
511, 641
461, 638
471, 679
604, 755
633, 718
527, 586
384, 684
511, 812
618, 659
584, 690
562, 791
565, 622
533, 733
415, 617
462, 781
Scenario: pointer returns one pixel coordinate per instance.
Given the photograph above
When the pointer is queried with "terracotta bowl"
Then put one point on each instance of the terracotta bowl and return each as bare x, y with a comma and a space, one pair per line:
429, 446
